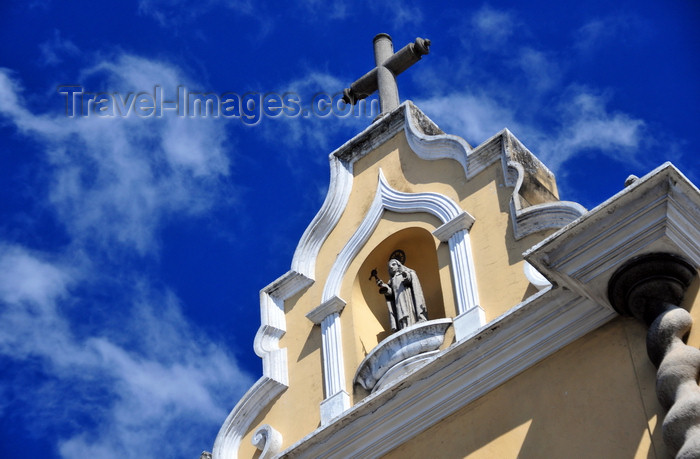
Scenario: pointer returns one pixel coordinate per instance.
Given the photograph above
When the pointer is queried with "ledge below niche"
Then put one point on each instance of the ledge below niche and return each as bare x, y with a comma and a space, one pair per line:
400, 353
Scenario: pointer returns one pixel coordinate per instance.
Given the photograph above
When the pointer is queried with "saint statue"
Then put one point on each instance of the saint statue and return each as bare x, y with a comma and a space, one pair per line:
404, 296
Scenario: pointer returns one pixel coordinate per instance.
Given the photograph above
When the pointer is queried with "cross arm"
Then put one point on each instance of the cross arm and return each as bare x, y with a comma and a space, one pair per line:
362, 88
396, 63
407, 56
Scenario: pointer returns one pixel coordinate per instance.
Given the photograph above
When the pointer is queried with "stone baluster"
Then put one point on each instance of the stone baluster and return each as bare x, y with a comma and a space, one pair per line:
651, 288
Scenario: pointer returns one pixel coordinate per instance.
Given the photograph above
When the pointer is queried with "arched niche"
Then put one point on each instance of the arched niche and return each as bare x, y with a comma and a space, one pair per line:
370, 314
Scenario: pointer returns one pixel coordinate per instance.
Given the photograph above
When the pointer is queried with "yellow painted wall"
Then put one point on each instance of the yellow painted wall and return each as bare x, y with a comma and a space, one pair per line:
497, 257
593, 399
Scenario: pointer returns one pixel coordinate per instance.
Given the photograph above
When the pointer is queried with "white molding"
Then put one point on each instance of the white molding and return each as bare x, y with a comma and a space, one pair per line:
268, 441
426, 336
519, 339
463, 221
273, 324
275, 379
438, 145
334, 406
328, 316
400, 370
432, 147
468, 323
304, 259
386, 198
657, 213
535, 277
243, 414
334, 367
463, 271
538, 217
334, 305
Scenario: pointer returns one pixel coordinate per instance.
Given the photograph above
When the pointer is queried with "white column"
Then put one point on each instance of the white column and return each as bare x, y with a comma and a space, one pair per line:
470, 316
337, 398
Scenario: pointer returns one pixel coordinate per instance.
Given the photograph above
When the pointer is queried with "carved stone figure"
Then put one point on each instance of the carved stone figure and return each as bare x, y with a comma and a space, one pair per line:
404, 296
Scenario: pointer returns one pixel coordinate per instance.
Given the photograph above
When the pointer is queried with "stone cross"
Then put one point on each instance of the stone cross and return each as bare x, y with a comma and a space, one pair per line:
383, 76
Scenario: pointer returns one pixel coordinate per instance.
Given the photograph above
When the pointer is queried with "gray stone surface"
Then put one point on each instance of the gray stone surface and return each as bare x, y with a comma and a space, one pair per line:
404, 296
383, 77
398, 354
650, 288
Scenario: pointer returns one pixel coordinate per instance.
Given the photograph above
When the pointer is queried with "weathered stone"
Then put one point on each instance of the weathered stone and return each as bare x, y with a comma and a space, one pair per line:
383, 77
411, 345
650, 288
404, 296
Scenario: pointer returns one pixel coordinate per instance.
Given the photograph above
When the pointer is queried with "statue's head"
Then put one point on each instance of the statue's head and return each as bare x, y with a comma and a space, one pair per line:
394, 266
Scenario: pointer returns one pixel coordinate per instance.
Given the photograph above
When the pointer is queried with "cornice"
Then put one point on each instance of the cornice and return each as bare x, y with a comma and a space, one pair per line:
657, 213
519, 339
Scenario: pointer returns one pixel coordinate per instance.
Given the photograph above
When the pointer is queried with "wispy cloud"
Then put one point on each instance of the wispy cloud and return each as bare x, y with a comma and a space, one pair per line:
476, 117
398, 14
138, 379
316, 131
600, 32
394, 14
56, 49
153, 379
116, 178
535, 97
587, 124
493, 27
541, 71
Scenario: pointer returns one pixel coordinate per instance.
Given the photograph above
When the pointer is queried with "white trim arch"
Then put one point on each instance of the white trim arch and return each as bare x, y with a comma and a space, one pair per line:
454, 230
429, 143
387, 198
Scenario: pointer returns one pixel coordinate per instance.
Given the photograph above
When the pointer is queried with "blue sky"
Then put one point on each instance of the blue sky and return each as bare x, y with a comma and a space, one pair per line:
132, 248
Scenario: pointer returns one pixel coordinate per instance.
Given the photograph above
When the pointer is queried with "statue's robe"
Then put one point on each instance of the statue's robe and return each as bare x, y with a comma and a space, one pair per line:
405, 301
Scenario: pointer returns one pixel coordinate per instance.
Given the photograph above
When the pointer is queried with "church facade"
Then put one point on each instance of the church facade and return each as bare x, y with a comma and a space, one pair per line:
444, 302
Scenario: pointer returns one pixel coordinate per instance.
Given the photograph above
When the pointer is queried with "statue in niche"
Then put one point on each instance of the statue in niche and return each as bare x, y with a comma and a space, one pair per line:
404, 296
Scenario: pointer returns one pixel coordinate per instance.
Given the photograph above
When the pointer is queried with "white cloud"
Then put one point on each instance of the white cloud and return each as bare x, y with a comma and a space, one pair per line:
493, 27
476, 117
54, 50
319, 129
582, 123
600, 32
542, 72
29, 279
587, 124
115, 179
153, 387
139, 379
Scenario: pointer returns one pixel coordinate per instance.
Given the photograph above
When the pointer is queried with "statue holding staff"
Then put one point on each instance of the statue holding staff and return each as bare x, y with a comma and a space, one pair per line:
404, 296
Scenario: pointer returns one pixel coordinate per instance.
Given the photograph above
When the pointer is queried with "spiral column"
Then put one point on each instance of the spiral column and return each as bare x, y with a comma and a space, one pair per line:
651, 288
